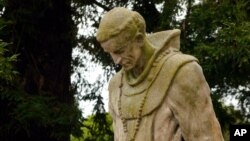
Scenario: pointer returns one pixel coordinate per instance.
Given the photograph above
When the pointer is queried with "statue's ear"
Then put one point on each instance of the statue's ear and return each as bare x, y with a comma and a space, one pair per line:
139, 40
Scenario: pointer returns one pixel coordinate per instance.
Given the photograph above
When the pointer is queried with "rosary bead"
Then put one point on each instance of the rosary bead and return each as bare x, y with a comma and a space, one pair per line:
138, 118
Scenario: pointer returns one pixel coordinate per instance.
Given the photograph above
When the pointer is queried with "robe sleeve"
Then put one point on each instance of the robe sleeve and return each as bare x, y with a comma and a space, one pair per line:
190, 101
110, 106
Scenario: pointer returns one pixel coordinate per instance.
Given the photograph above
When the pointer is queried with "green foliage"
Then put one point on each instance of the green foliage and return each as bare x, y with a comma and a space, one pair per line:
37, 111
22, 113
6, 68
33, 112
7, 71
224, 44
6, 61
94, 132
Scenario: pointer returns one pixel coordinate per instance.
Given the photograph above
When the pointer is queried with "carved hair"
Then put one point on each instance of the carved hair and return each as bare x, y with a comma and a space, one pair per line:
120, 19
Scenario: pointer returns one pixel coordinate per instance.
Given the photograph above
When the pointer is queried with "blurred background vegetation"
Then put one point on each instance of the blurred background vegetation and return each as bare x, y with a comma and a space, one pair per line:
40, 101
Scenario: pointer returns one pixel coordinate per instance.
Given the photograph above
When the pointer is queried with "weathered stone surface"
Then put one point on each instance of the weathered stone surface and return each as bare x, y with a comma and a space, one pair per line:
160, 94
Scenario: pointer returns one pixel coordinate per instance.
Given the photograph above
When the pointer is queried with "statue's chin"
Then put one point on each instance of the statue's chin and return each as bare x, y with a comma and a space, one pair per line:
127, 67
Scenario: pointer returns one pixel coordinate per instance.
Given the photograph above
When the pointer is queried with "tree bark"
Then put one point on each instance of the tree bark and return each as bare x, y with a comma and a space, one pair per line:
42, 33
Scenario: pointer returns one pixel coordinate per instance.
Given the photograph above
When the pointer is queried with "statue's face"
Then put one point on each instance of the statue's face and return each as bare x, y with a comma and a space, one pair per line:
123, 52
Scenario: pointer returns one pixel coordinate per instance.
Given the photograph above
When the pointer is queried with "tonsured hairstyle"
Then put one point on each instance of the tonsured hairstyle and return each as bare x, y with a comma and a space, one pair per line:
120, 19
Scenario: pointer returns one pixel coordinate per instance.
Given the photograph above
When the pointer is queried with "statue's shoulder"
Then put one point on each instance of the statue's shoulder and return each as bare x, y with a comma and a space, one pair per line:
176, 61
187, 64
180, 58
115, 81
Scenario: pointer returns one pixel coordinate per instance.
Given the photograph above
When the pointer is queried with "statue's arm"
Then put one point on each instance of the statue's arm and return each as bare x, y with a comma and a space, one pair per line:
113, 84
111, 88
189, 99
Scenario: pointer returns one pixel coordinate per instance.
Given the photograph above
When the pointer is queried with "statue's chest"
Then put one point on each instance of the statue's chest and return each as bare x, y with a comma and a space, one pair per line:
141, 103
131, 102
134, 102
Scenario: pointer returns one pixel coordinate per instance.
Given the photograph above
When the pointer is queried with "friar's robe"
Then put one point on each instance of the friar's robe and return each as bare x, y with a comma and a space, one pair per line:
177, 103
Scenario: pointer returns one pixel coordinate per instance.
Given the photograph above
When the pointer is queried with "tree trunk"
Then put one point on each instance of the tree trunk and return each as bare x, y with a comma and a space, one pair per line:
42, 33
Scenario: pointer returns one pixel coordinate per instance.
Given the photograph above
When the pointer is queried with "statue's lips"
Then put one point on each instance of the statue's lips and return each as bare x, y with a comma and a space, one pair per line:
126, 65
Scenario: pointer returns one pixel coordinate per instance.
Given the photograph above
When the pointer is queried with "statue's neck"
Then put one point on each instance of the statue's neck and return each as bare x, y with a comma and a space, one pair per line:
147, 52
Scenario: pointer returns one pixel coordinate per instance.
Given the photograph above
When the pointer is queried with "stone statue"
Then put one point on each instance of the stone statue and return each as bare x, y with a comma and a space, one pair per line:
159, 94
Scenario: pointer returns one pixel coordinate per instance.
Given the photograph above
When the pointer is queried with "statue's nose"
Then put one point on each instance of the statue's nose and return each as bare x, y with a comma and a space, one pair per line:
118, 60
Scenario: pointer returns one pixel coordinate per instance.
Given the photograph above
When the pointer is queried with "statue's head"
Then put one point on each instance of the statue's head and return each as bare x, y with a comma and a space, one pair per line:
121, 33
120, 20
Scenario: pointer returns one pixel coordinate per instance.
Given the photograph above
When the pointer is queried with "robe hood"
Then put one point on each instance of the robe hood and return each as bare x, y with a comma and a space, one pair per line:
165, 39
163, 42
